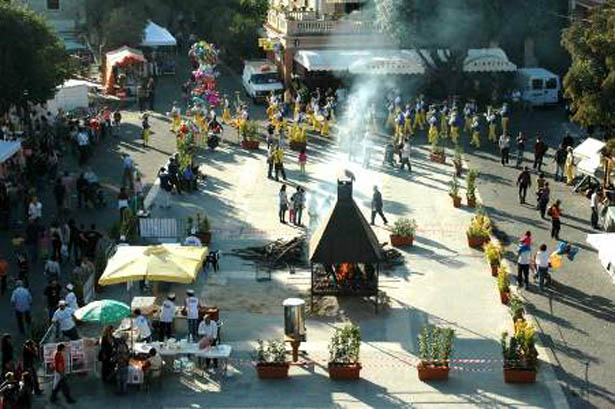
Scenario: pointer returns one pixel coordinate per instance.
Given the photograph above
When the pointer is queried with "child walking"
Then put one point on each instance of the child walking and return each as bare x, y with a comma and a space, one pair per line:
302, 160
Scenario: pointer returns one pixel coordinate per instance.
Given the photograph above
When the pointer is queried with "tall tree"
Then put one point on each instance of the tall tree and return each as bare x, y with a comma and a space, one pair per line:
590, 81
33, 60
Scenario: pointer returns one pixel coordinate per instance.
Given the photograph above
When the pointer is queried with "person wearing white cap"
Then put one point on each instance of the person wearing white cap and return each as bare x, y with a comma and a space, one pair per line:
71, 298
64, 318
191, 304
166, 317
142, 325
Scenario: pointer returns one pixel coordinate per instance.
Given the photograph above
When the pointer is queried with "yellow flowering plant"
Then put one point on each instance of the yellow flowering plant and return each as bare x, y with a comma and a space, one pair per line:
519, 350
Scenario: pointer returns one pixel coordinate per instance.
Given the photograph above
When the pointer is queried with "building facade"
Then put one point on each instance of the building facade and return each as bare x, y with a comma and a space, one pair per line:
65, 16
318, 25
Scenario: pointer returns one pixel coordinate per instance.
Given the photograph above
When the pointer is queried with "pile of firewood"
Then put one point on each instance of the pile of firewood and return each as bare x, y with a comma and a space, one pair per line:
391, 258
276, 254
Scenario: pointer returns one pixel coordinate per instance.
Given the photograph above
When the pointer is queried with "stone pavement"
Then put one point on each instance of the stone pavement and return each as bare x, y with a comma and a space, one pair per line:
576, 315
442, 282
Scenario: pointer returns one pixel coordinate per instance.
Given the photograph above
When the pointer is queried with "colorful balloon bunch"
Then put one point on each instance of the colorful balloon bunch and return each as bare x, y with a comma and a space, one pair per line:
206, 55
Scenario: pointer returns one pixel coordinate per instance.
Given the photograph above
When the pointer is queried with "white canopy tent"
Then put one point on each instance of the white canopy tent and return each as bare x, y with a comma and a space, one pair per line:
8, 149
384, 62
157, 36
605, 244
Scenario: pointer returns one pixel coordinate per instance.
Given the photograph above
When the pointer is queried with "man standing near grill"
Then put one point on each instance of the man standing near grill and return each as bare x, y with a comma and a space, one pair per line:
377, 206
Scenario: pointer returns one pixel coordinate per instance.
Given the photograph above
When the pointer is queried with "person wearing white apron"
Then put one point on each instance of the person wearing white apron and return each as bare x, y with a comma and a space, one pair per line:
166, 317
192, 304
71, 298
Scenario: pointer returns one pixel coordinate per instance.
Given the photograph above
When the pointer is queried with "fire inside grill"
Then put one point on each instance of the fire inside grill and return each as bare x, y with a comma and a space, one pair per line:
344, 251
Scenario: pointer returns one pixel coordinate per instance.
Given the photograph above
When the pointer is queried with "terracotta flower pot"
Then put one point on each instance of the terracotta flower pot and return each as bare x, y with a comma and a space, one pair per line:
432, 373
205, 237
344, 372
298, 146
494, 269
477, 242
514, 375
471, 201
456, 201
250, 145
504, 297
437, 157
272, 371
400, 241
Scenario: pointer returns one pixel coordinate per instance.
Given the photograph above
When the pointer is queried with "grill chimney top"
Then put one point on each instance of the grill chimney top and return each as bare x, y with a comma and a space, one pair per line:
344, 190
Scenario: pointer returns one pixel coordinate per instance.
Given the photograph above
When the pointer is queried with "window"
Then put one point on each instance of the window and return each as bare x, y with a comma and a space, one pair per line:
551, 83
53, 4
537, 84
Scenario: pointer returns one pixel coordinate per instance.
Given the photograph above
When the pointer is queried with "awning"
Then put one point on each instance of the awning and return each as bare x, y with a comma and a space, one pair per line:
605, 244
155, 36
488, 60
361, 61
8, 149
383, 61
404, 62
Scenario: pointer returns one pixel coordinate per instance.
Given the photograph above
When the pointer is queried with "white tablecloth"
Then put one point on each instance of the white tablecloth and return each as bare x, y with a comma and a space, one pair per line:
219, 351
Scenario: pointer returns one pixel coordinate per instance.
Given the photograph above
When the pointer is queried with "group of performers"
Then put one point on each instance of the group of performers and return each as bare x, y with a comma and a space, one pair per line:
445, 120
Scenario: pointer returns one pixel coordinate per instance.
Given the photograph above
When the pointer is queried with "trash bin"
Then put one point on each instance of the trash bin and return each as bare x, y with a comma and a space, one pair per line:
294, 318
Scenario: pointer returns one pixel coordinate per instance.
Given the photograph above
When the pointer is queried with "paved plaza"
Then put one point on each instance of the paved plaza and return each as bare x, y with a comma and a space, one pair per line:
442, 282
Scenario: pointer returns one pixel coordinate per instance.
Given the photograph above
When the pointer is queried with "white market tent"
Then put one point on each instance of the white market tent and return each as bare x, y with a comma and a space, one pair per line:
605, 244
8, 149
397, 61
71, 95
157, 36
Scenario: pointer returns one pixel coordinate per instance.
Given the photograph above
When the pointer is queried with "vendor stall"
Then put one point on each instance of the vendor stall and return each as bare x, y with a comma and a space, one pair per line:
171, 349
162, 45
125, 68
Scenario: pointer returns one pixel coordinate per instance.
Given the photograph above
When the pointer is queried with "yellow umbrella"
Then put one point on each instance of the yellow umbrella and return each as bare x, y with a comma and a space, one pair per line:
167, 262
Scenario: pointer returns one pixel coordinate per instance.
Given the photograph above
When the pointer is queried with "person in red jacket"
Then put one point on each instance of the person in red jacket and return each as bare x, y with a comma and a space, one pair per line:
59, 376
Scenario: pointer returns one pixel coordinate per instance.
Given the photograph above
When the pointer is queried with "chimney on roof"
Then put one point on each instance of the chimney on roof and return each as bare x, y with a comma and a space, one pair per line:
344, 190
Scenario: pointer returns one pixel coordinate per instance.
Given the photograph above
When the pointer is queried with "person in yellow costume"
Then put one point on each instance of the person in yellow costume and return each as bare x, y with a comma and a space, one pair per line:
226, 110
475, 132
175, 117
505, 114
391, 116
468, 115
432, 118
407, 121
420, 118
454, 123
490, 117
444, 122
569, 167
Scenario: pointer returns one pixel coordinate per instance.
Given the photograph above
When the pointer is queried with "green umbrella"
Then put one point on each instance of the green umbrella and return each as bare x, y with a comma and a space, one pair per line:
103, 311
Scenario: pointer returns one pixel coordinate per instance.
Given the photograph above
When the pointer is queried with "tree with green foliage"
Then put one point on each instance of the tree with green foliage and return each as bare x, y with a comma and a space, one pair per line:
589, 84
33, 60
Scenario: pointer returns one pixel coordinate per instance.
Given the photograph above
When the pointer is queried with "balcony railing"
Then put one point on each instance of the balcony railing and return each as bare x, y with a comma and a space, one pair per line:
296, 23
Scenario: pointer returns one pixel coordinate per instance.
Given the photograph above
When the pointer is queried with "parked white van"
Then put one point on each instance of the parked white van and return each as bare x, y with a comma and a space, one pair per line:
538, 86
259, 78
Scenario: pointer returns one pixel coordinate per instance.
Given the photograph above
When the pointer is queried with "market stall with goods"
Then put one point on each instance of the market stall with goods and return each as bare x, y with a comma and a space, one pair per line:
125, 69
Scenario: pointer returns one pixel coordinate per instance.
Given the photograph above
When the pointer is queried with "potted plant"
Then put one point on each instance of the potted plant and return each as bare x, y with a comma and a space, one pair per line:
453, 191
249, 135
503, 284
435, 347
493, 254
471, 187
437, 152
403, 232
520, 355
457, 160
479, 230
200, 228
516, 308
344, 353
271, 360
